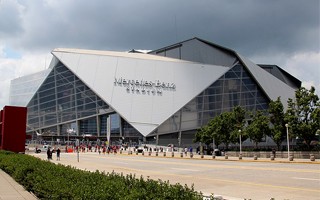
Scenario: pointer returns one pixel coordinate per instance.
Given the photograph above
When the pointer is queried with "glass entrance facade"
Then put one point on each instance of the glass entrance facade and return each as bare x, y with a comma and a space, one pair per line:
64, 102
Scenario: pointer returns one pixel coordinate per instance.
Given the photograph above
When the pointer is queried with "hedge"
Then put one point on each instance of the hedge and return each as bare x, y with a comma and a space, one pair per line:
50, 181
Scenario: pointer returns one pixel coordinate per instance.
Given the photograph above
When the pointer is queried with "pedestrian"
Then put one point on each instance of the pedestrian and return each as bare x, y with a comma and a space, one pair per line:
186, 150
274, 152
58, 153
48, 153
190, 149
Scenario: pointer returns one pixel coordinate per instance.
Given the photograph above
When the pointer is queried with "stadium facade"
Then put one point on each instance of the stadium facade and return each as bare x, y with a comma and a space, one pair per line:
163, 96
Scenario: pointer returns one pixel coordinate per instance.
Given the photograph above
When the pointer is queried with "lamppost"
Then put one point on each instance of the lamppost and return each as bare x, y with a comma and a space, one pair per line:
240, 141
287, 126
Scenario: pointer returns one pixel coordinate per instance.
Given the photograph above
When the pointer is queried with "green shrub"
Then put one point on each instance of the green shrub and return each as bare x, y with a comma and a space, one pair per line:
50, 181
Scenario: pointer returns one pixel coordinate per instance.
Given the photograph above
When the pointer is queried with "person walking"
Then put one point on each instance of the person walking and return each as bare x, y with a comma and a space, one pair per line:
58, 153
49, 154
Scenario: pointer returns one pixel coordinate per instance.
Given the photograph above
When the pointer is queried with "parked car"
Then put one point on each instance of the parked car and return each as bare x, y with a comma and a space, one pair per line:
44, 148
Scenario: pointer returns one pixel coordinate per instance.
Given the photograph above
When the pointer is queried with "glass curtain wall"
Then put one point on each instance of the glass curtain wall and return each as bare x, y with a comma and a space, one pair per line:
63, 98
236, 87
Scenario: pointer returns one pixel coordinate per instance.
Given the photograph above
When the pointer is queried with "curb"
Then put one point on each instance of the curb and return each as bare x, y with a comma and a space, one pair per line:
230, 159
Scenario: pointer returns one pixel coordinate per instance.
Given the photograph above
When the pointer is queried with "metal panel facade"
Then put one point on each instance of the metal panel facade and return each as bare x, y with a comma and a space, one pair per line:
144, 91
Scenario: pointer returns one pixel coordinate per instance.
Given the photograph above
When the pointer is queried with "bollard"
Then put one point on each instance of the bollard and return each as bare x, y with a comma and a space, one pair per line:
202, 155
181, 155
225, 156
136, 152
149, 153
172, 154
156, 153
240, 156
312, 157
191, 155
255, 157
213, 155
272, 157
291, 158
120, 151
164, 154
143, 153
129, 152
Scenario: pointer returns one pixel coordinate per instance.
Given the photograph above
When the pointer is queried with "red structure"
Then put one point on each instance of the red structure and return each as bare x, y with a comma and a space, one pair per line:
13, 128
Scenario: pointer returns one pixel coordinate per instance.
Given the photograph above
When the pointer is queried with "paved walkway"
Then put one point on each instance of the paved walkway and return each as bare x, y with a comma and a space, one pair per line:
11, 190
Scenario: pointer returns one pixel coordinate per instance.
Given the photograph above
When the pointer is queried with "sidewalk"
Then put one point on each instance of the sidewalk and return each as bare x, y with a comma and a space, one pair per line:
223, 158
11, 190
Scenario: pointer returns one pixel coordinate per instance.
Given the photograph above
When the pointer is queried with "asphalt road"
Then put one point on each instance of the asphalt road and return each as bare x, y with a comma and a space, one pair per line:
230, 179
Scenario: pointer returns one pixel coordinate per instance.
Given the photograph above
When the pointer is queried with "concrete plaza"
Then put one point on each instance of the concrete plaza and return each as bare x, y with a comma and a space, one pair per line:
229, 178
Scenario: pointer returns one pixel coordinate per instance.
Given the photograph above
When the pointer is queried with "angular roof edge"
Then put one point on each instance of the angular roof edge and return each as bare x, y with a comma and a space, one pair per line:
291, 77
118, 54
194, 38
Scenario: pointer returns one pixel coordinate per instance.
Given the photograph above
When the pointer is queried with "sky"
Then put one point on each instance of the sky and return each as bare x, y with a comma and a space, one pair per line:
281, 32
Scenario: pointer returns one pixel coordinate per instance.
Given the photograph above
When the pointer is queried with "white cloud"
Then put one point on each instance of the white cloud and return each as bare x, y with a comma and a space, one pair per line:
14, 68
306, 67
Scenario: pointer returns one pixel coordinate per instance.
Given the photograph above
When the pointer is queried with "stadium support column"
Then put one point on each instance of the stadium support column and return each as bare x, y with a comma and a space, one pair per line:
108, 129
78, 128
120, 125
98, 126
59, 129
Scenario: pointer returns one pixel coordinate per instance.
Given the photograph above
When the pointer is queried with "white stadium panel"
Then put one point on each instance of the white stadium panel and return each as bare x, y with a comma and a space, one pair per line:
143, 90
87, 67
106, 68
70, 58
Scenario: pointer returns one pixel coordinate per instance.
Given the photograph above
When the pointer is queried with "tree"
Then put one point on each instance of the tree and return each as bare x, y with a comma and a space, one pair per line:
258, 128
239, 116
224, 128
278, 130
303, 115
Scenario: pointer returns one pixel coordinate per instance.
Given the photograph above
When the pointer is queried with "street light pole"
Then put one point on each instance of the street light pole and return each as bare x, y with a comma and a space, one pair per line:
240, 141
287, 126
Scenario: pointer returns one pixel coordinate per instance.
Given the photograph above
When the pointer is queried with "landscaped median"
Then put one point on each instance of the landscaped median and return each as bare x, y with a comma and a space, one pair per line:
50, 181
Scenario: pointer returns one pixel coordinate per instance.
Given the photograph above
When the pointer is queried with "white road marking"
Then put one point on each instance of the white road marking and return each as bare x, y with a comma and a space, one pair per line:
193, 170
309, 179
125, 163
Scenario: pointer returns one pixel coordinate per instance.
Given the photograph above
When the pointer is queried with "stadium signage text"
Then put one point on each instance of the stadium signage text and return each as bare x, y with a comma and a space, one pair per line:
144, 86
